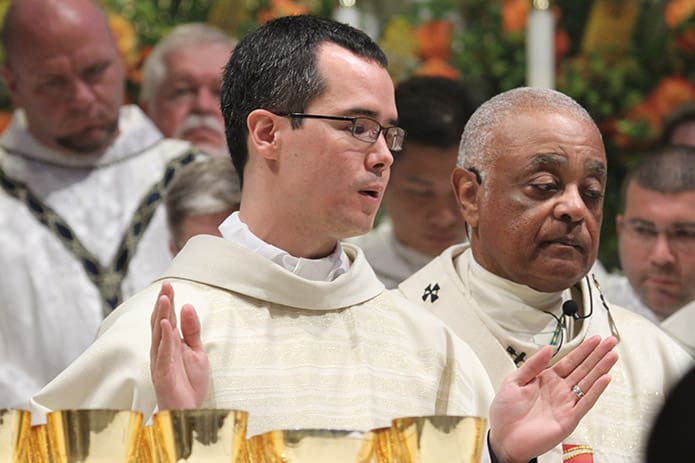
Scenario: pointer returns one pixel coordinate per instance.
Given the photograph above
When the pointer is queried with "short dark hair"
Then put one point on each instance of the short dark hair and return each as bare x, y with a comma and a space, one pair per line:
275, 68
669, 169
434, 110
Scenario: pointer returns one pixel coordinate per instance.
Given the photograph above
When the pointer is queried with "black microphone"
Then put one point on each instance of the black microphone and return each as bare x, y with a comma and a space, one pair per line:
570, 308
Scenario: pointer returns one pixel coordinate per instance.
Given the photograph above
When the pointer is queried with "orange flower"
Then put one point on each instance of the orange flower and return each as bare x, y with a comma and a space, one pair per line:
434, 39
437, 67
5, 118
562, 44
645, 111
280, 8
514, 15
677, 11
641, 113
686, 41
135, 72
126, 38
671, 92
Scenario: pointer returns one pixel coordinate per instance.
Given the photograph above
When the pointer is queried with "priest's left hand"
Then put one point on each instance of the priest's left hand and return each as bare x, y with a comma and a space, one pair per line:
537, 406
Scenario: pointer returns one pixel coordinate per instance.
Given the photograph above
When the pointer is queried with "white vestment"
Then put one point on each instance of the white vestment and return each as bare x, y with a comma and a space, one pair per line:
391, 260
52, 203
293, 352
615, 430
680, 324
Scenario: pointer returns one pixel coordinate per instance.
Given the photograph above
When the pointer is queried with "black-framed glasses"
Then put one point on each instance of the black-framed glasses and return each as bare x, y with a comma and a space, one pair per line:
680, 237
363, 128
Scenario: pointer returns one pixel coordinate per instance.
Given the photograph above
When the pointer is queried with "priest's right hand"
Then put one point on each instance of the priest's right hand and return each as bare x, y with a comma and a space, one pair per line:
178, 365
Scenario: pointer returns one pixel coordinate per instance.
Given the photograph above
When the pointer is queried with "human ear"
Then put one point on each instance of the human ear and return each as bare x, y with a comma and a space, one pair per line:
11, 84
264, 134
467, 189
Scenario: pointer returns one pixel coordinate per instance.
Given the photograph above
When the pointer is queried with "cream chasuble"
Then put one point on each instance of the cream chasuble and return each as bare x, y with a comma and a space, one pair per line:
680, 324
293, 352
650, 362
53, 203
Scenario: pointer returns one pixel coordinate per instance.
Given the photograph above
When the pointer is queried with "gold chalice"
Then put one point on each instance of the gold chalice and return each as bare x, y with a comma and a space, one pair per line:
39, 451
312, 446
435, 439
91, 436
385, 445
14, 435
200, 435
147, 449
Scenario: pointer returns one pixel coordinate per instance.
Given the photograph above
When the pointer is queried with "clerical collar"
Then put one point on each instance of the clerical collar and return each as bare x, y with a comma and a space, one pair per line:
517, 308
324, 269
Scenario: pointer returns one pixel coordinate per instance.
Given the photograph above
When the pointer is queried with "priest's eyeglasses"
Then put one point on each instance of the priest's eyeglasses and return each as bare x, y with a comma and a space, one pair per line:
680, 237
363, 128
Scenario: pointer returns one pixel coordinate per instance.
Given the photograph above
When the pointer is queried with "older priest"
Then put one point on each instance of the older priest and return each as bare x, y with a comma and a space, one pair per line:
530, 183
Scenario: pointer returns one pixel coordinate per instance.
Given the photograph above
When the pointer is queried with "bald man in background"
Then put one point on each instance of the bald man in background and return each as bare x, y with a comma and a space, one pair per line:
81, 181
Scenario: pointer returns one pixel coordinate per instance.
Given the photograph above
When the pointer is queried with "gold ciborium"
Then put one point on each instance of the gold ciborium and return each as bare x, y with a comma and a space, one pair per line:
91, 436
312, 446
14, 435
200, 435
435, 439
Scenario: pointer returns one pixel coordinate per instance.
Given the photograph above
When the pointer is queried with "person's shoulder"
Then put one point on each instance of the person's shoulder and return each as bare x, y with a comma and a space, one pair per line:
627, 319
644, 340
411, 315
633, 320
437, 282
137, 309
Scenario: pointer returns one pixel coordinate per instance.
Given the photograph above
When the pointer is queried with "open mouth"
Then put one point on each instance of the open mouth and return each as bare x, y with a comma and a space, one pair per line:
371, 193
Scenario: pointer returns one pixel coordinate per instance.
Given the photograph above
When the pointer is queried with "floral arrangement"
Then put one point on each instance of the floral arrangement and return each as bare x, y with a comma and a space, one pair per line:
139, 24
629, 62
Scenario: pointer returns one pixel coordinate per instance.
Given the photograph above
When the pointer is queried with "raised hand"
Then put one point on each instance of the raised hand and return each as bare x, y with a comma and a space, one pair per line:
178, 365
537, 407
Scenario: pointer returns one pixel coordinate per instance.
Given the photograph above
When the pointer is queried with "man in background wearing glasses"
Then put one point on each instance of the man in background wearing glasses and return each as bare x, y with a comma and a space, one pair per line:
656, 234
279, 318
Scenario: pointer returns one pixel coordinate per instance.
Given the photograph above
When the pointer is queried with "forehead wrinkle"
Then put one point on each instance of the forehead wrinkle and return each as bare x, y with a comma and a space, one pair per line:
545, 160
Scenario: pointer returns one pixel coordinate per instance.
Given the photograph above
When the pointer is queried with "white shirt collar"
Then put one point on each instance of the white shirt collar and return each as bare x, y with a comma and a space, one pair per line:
324, 269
